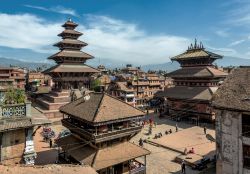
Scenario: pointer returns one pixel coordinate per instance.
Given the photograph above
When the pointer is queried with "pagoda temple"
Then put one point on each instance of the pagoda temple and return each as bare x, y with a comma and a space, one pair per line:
101, 127
70, 74
194, 84
71, 70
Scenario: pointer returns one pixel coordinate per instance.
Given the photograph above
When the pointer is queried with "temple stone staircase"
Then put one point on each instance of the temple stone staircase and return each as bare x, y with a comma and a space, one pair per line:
50, 103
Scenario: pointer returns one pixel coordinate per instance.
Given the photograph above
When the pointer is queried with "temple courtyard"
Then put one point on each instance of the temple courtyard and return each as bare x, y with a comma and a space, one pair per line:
163, 150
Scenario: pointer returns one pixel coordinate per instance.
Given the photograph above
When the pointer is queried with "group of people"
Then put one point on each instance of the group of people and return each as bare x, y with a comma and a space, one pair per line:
188, 152
159, 135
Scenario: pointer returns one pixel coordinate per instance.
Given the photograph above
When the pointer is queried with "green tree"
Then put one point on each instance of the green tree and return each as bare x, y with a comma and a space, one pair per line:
14, 96
95, 85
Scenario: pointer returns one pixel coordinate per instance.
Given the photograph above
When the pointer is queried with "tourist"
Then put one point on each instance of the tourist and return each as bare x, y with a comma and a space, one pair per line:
192, 150
170, 131
150, 130
141, 142
185, 151
155, 124
50, 143
166, 132
176, 127
205, 130
183, 167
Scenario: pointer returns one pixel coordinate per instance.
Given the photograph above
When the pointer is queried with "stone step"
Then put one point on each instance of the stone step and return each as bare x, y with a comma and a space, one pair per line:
50, 105
56, 99
60, 93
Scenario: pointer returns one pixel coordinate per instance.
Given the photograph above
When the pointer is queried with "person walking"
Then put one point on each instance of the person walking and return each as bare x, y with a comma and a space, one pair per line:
50, 143
205, 130
141, 142
176, 127
183, 167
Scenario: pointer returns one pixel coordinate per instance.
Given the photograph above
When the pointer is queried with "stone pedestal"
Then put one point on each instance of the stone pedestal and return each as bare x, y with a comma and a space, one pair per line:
29, 154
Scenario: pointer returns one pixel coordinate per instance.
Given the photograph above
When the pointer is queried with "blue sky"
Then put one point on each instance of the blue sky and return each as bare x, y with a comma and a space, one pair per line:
139, 31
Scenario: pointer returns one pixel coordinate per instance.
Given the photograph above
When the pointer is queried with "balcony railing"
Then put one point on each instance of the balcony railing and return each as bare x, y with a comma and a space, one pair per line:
15, 110
101, 136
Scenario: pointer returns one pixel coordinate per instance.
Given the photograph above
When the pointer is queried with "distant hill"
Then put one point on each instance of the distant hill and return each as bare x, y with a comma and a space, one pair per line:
111, 63
108, 63
171, 66
232, 61
6, 62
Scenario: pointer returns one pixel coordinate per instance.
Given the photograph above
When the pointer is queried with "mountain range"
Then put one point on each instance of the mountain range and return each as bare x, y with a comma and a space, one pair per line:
111, 64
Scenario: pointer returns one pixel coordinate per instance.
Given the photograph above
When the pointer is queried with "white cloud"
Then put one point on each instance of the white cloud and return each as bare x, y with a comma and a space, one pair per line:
222, 33
28, 32
56, 9
107, 38
116, 39
228, 52
237, 42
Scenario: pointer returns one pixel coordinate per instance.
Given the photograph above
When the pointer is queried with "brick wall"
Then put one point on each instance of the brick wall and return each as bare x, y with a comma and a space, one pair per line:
13, 144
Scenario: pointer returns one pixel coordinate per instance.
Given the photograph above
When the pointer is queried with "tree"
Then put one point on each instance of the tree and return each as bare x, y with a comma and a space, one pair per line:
95, 85
14, 96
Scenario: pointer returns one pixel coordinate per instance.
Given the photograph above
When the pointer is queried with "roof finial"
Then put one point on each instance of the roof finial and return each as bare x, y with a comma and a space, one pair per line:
195, 43
69, 20
191, 46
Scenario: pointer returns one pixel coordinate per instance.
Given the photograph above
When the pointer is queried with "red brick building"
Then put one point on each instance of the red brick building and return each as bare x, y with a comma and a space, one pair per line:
12, 77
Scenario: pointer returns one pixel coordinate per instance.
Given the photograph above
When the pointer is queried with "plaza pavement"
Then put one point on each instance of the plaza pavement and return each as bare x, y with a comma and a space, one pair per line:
161, 160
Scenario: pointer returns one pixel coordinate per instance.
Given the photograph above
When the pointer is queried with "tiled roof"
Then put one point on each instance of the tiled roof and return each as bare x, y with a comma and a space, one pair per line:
117, 154
123, 86
193, 93
197, 72
14, 123
66, 31
106, 157
196, 53
71, 53
234, 93
69, 142
47, 169
69, 22
71, 41
71, 68
100, 107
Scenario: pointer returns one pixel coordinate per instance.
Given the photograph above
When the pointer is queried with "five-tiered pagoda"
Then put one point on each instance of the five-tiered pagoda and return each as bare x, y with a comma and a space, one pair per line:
70, 71
70, 74
195, 83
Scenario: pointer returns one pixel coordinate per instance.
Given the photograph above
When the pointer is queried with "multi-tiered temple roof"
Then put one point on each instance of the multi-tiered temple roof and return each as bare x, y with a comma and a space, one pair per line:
70, 47
198, 78
70, 59
196, 55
